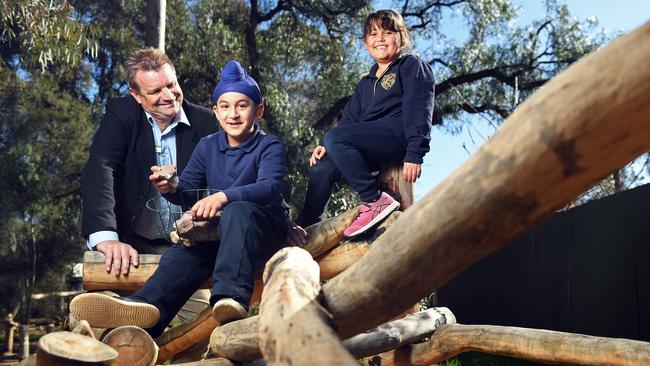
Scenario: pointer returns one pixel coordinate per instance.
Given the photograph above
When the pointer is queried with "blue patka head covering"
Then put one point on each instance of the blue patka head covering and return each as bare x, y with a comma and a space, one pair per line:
234, 79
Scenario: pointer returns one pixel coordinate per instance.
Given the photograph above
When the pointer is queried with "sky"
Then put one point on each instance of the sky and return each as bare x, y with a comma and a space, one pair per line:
449, 152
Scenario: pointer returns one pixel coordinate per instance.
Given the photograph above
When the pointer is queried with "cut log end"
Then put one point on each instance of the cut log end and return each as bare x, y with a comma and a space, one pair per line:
67, 348
134, 346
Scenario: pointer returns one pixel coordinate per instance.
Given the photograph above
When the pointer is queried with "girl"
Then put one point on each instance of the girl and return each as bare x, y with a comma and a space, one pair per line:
387, 119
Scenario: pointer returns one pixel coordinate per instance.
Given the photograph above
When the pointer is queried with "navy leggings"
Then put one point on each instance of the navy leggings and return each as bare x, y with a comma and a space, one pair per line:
249, 235
354, 152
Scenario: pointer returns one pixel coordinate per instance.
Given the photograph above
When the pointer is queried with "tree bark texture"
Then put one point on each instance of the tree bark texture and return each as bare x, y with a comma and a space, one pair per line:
575, 130
391, 180
293, 328
238, 340
410, 329
528, 344
346, 253
154, 34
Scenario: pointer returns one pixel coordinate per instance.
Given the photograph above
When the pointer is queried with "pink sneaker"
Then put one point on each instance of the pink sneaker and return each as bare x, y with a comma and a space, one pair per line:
371, 213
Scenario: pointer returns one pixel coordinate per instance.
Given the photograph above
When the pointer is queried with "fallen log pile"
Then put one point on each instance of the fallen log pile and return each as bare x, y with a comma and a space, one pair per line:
544, 155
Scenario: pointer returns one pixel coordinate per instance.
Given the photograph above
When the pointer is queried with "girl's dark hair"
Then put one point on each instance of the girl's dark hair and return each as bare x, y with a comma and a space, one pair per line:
391, 20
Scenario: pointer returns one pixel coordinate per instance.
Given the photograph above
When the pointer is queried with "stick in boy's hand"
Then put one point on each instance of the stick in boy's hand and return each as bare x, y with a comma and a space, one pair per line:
164, 178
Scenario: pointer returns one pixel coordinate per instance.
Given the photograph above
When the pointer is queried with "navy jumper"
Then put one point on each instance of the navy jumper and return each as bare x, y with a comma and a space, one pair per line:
252, 228
387, 119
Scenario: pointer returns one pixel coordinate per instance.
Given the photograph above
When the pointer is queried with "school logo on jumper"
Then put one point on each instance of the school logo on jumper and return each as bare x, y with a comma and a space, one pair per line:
388, 80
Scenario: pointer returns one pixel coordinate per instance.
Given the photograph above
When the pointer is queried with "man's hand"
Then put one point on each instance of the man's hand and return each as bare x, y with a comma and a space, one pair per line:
160, 177
119, 256
412, 172
318, 154
296, 235
207, 207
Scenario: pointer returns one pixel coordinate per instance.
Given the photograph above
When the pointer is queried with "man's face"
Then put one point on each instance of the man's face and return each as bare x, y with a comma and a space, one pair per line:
158, 93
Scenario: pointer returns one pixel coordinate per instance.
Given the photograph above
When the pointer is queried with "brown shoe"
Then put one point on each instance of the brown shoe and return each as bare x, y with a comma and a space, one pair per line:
105, 311
227, 310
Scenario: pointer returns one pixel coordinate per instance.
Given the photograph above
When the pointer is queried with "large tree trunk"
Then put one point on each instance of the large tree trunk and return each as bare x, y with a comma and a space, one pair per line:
575, 130
294, 329
536, 345
154, 34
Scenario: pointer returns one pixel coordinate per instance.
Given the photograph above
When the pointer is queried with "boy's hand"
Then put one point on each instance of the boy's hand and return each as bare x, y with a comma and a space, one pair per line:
206, 208
318, 154
161, 176
412, 172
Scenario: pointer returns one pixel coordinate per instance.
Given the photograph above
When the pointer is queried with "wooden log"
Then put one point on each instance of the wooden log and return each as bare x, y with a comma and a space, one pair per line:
575, 130
95, 277
208, 362
71, 349
344, 255
185, 335
535, 345
322, 236
239, 340
134, 346
411, 329
391, 180
293, 328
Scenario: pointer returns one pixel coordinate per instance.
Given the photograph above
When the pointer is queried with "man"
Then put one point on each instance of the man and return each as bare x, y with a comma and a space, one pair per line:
151, 126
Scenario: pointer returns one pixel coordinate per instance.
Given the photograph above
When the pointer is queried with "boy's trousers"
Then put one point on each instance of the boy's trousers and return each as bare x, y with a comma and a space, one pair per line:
354, 152
249, 235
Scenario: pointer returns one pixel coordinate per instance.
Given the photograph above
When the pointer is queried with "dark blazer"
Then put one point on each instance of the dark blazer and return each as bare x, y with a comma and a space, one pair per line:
115, 180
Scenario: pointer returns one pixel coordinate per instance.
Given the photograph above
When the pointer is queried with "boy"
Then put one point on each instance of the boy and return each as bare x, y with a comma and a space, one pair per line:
245, 167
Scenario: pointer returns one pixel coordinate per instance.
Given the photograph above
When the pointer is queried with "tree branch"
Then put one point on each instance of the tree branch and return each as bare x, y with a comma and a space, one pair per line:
328, 118
280, 6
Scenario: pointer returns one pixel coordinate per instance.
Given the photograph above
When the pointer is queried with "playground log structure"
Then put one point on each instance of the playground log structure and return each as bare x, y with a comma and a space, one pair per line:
589, 120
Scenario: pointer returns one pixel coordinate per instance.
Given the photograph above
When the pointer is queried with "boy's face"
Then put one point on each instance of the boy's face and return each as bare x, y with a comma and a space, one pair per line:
236, 114
383, 45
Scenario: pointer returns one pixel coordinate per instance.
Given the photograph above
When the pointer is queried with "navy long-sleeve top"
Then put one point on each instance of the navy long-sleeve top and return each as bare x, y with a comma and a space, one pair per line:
405, 93
252, 171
